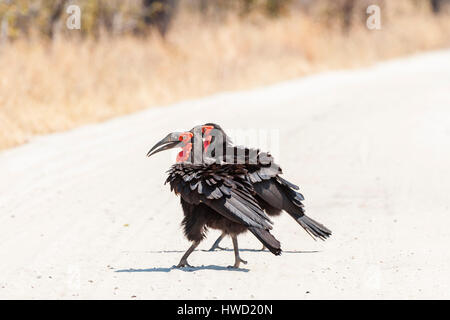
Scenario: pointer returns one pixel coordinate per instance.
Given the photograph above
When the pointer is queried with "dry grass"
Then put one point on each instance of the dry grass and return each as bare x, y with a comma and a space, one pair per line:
52, 87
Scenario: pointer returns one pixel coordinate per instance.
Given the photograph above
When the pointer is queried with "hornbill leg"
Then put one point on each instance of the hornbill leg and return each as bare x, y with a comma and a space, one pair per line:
263, 248
237, 258
216, 244
183, 261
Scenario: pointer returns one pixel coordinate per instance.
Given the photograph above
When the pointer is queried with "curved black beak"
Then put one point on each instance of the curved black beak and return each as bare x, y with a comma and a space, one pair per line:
172, 140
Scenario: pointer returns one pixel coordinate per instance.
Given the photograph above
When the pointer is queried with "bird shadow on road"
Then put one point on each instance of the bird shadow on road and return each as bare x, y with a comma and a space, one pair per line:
186, 269
264, 251
240, 250
208, 267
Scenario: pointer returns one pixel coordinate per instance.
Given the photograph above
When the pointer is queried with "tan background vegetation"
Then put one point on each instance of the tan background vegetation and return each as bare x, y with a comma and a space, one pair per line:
57, 80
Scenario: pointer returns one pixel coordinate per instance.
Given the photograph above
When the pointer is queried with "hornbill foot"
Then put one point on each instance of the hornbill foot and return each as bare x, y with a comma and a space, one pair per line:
263, 248
183, 261
183, 264
217, 242
214, 247
237, 263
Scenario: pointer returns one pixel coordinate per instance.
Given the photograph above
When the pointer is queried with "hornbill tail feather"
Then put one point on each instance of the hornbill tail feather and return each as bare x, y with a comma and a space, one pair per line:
267, 239
314, 228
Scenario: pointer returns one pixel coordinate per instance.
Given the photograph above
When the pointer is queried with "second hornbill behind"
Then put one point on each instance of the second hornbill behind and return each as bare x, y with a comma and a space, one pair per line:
230, 188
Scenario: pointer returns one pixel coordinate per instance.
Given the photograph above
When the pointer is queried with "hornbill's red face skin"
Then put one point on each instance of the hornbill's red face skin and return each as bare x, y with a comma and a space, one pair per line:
198, 144
187, 141
206, 132
213, 133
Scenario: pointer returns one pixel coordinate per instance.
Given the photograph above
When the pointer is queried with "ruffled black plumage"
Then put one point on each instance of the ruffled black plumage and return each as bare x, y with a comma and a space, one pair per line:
220, 197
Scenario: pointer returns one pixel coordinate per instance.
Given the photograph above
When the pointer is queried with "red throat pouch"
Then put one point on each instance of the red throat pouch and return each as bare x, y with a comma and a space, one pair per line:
208, 138
183, 155
206, 143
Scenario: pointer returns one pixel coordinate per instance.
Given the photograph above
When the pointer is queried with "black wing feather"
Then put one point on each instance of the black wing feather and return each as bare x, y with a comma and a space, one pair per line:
223, 188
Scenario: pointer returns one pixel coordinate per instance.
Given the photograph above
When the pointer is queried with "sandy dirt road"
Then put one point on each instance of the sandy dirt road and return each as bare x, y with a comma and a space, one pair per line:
84, 214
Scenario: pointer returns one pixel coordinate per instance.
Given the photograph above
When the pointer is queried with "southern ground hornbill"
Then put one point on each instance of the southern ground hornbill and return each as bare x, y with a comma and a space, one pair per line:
230, 188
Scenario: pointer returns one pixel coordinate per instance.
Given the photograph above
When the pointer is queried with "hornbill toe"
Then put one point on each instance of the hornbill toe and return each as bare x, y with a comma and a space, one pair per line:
214, 247
237, 263
184, 264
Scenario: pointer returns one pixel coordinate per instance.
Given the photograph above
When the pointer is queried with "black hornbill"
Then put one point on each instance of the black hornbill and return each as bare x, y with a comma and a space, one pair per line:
273, 193
230, 188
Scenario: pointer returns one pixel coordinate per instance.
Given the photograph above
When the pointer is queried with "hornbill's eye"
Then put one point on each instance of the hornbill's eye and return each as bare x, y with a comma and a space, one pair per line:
186, 136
